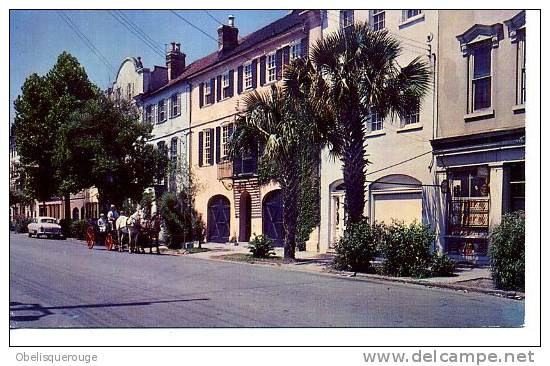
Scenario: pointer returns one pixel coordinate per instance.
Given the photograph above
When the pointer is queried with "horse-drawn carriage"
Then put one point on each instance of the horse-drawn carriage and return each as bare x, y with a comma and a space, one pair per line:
133, 233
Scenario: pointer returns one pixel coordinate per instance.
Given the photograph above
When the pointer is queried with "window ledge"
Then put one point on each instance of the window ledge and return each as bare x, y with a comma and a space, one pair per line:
482, 114
518, 108
411, 20
376, 133
410, 127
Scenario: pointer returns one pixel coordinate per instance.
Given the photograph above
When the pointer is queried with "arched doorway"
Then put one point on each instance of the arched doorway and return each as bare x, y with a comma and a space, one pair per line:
245, 213
75, 213
337, 211
396, 197
272, 214
218, 219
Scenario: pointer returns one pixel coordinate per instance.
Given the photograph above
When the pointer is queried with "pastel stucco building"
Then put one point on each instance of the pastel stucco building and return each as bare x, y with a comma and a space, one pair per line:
400, 178
479, 147
232, 202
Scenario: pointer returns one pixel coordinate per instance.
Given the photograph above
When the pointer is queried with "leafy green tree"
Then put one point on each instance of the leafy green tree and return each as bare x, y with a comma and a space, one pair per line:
41, 110
355, 72
106, 145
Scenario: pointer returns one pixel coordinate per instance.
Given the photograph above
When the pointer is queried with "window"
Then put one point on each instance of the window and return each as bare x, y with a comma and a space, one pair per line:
411, 118
271, 68
346, 18
248, 76
130, 90
149, 114
295, 50
118, 94
520, 62
516, 189
161, 146
226, 131
407, 14
225, 85
175, 105
480, 76
207, 92
174, 152
376, 121
208, 145
378, 19
161, 111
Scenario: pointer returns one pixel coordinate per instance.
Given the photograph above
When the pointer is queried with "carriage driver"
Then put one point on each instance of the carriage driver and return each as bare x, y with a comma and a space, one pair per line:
102, 225
112, 216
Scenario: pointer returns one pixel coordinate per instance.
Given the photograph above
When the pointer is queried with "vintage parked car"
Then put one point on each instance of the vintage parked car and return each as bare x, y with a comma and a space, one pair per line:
46, 226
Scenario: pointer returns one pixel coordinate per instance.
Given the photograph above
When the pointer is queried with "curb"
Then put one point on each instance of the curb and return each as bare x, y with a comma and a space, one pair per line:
515, 295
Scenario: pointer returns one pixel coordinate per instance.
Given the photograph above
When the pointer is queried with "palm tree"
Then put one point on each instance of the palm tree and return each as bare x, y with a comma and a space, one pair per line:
266, 122
352, 73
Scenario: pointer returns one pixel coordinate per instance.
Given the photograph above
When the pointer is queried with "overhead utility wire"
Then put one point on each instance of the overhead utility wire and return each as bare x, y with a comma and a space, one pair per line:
193, 25
213, 17
399, 163
86, 41
140, 31
135, 33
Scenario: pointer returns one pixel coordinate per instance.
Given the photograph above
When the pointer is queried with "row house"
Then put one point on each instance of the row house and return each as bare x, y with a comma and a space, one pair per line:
479, 147
193, 114
233, 204
399, 178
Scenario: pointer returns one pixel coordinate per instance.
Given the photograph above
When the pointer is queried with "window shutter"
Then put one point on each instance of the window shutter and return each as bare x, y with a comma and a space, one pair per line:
239, 80
179, 104
211, 159
219, 89
231, 83
170, 107
154, 113
212, 90
218, 144
201, 95
200, 148
254, 73
279, 63
305, 47
286, 55
262, 70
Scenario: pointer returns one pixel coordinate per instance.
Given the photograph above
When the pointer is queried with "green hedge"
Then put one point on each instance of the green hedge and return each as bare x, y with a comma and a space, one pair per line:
19, 224
357, 247
507, 252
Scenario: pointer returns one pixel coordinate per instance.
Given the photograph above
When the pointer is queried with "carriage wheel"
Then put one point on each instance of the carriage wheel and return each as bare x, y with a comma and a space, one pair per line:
90, 237
109, 242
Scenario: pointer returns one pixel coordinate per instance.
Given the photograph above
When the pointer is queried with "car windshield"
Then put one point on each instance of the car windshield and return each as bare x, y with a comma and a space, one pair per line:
48, 221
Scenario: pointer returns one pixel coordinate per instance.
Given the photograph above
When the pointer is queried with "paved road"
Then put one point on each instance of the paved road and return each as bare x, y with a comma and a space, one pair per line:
55, 283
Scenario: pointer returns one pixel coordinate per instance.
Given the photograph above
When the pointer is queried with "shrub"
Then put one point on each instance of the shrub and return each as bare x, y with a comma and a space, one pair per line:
507, 252
19, 224
65, 227
78, 229
357, 247
261, 247
407, 249
442, 265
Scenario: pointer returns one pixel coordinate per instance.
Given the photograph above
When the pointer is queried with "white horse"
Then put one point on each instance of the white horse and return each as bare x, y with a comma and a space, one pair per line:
128, 226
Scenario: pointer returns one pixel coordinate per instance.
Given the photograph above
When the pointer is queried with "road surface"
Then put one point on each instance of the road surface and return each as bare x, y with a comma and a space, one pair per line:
61, 283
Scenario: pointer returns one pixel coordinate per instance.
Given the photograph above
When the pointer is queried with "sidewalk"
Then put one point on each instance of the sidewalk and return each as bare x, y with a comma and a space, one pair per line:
468, 278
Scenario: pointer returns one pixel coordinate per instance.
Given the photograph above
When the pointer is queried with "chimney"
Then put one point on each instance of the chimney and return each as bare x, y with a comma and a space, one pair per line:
175, 61
228, 36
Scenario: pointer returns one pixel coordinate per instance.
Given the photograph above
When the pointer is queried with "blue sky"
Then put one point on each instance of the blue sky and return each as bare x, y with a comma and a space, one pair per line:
38, 37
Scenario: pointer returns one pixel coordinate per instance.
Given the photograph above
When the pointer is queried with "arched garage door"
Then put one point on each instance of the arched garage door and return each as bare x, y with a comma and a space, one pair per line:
396, 197
218, 219
272, 214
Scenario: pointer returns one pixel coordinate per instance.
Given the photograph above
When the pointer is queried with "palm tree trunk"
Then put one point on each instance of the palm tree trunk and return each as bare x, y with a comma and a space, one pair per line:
353, 159
290, 185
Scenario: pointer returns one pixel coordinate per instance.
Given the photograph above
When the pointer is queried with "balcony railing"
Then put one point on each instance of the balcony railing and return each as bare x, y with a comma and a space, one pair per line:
225, 169
237, 168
